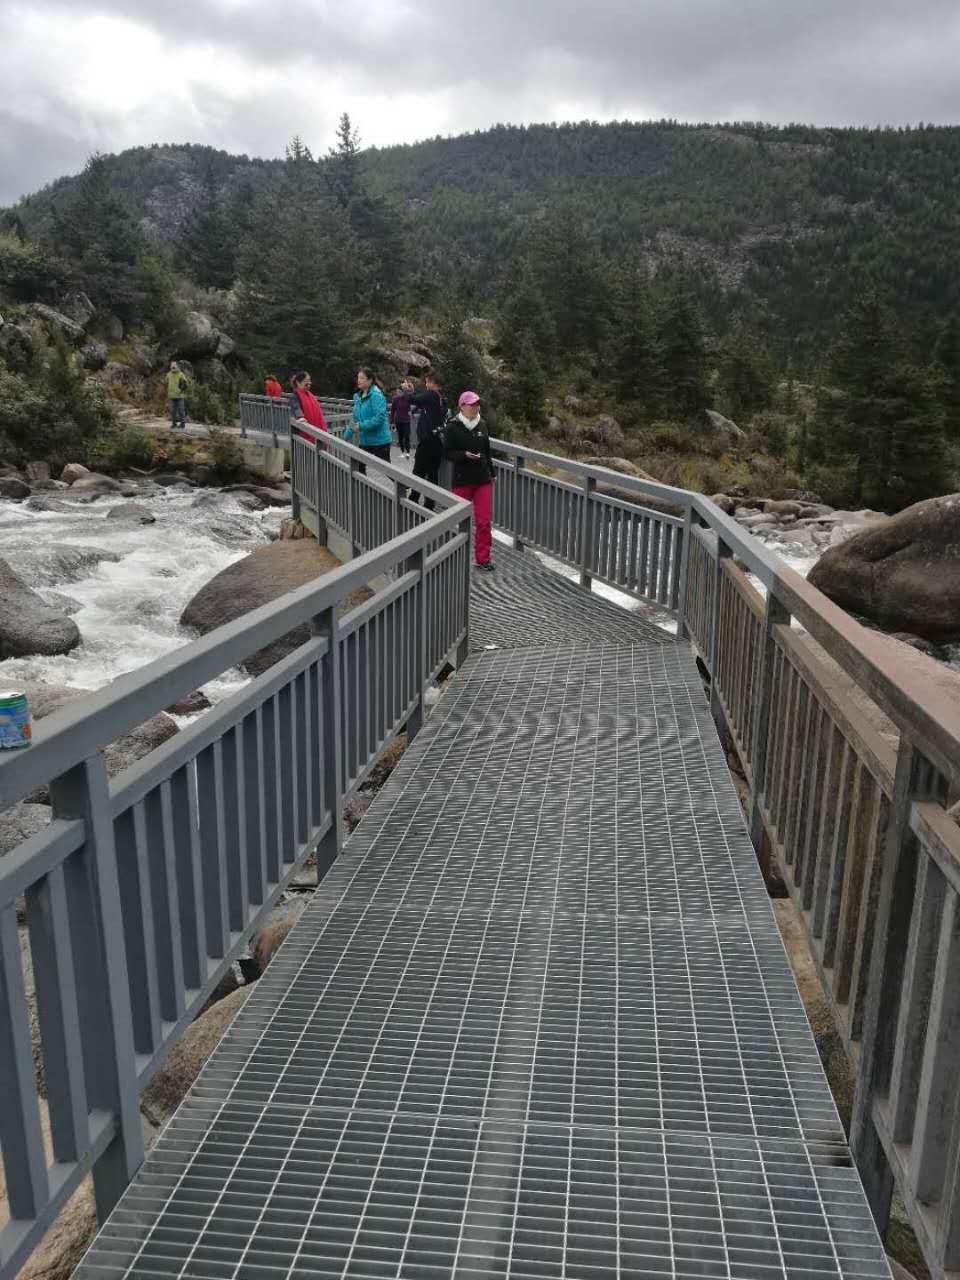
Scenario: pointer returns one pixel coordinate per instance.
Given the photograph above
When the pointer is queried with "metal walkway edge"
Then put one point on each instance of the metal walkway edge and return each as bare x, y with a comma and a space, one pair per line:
538, 1021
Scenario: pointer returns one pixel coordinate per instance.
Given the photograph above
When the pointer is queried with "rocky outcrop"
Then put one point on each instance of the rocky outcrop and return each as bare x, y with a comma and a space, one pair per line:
37, 472
72, 331
78, 307
903, 574
73, 471
722, 426
264, 575
28, 625
201, 339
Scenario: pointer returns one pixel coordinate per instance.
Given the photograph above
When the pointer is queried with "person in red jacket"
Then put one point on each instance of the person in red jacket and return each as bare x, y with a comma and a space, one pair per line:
304, 405
271, 386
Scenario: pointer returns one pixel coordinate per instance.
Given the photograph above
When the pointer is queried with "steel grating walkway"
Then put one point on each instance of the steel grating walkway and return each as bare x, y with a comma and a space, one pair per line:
538, 1022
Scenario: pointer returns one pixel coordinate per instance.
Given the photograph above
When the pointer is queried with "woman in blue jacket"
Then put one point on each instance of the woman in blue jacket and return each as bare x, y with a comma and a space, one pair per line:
370, 416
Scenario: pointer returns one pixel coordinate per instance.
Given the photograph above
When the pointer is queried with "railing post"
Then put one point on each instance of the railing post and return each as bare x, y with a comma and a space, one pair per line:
723, 553
294, 492
776, 614
586, 532
463, 649
325, 625
916, 779
683, 631
397, 509
100, 965
518, 466
352, 507
418, 564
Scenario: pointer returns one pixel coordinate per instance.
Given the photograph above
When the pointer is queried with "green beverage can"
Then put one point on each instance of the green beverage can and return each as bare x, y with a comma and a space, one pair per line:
14, 720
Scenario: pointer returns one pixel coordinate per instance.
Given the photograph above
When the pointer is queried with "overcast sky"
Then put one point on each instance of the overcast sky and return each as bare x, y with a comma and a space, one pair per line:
79, 75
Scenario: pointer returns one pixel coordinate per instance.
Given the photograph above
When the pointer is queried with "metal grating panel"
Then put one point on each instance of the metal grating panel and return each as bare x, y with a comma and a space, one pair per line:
523, 604
252, 1194
539, 1022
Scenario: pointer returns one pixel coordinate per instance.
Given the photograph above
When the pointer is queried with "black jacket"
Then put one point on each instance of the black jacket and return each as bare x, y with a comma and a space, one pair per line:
461, 440
433, 413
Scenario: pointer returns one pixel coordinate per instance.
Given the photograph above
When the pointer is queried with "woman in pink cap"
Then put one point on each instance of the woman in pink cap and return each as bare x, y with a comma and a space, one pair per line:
467, 446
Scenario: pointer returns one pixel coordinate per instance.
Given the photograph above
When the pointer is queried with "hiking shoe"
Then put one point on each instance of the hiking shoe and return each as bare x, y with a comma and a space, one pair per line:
486, 566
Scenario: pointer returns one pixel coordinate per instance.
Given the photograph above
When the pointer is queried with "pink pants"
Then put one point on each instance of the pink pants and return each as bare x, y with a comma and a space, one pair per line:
481, 495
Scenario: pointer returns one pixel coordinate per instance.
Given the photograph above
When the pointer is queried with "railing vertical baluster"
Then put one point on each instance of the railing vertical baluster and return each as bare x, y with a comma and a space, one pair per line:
519, 463
418, 640
103, 1001
55, 980
253, 785
186, 839
775, 614
326, 628
158, 819
213, 860
288, 779
136, 912
915, 779
272, 804
586, 531
20, 1133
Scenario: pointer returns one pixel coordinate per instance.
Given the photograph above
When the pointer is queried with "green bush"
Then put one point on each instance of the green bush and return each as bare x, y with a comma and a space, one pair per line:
51, 413
26, 275
129, 446
226, 456
771, 432
675, 438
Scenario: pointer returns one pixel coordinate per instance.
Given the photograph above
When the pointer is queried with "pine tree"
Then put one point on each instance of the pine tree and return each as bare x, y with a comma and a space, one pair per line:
95, 230
207, 246
683, 356
459, 363
343, 163
526, 318
635, 355
947, 366
878, 435
575, 283
747, 375
528, 386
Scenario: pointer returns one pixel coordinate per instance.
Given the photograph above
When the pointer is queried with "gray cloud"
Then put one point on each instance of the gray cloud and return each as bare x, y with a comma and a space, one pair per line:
408, 70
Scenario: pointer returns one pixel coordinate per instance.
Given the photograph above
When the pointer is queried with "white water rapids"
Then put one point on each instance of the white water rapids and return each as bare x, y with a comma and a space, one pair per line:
129, 606
130, 603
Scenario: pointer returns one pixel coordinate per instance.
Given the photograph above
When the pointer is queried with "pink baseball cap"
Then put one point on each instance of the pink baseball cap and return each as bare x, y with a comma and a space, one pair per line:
468, 397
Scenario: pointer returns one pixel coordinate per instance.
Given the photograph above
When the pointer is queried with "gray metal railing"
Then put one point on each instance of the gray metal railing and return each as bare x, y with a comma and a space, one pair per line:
857, 825
144, 888
270, 416
131, 926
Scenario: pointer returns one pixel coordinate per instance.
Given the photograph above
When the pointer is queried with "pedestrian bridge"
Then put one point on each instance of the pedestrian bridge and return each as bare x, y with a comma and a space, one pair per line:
537, 1020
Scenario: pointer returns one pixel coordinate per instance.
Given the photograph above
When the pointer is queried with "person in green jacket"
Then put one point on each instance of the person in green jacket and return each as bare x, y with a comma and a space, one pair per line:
370, 421
177, 384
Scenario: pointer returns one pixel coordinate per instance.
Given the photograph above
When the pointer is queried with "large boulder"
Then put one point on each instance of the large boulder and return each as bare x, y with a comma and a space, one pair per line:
13, 487
93, 355
264, 575
200, 339
74, 471
126, 750
37, 471
188, 1057
723, 426
95, 483
28, 625
78, 307
903, 573
56, 562
132, 513
72, 331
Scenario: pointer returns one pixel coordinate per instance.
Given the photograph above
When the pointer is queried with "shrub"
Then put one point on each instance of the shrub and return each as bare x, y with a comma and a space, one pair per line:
129, 446
770, 432
226, 456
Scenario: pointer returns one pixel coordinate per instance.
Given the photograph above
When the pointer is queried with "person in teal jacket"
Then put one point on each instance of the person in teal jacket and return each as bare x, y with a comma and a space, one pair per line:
370, 420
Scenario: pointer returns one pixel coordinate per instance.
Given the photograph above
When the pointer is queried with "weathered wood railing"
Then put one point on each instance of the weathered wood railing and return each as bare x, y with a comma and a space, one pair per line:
851, 753
143, 889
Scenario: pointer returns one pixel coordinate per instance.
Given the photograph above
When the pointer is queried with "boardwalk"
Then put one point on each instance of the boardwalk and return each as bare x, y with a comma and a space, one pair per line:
538, 1021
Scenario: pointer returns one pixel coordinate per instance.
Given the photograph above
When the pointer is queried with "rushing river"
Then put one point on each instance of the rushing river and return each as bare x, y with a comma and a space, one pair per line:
127, 584
128, 604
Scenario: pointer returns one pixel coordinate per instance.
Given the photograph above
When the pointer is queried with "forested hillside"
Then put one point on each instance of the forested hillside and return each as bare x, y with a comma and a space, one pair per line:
655, 270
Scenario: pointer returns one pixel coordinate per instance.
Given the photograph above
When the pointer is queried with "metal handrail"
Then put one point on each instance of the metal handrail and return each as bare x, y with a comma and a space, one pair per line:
144, 888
